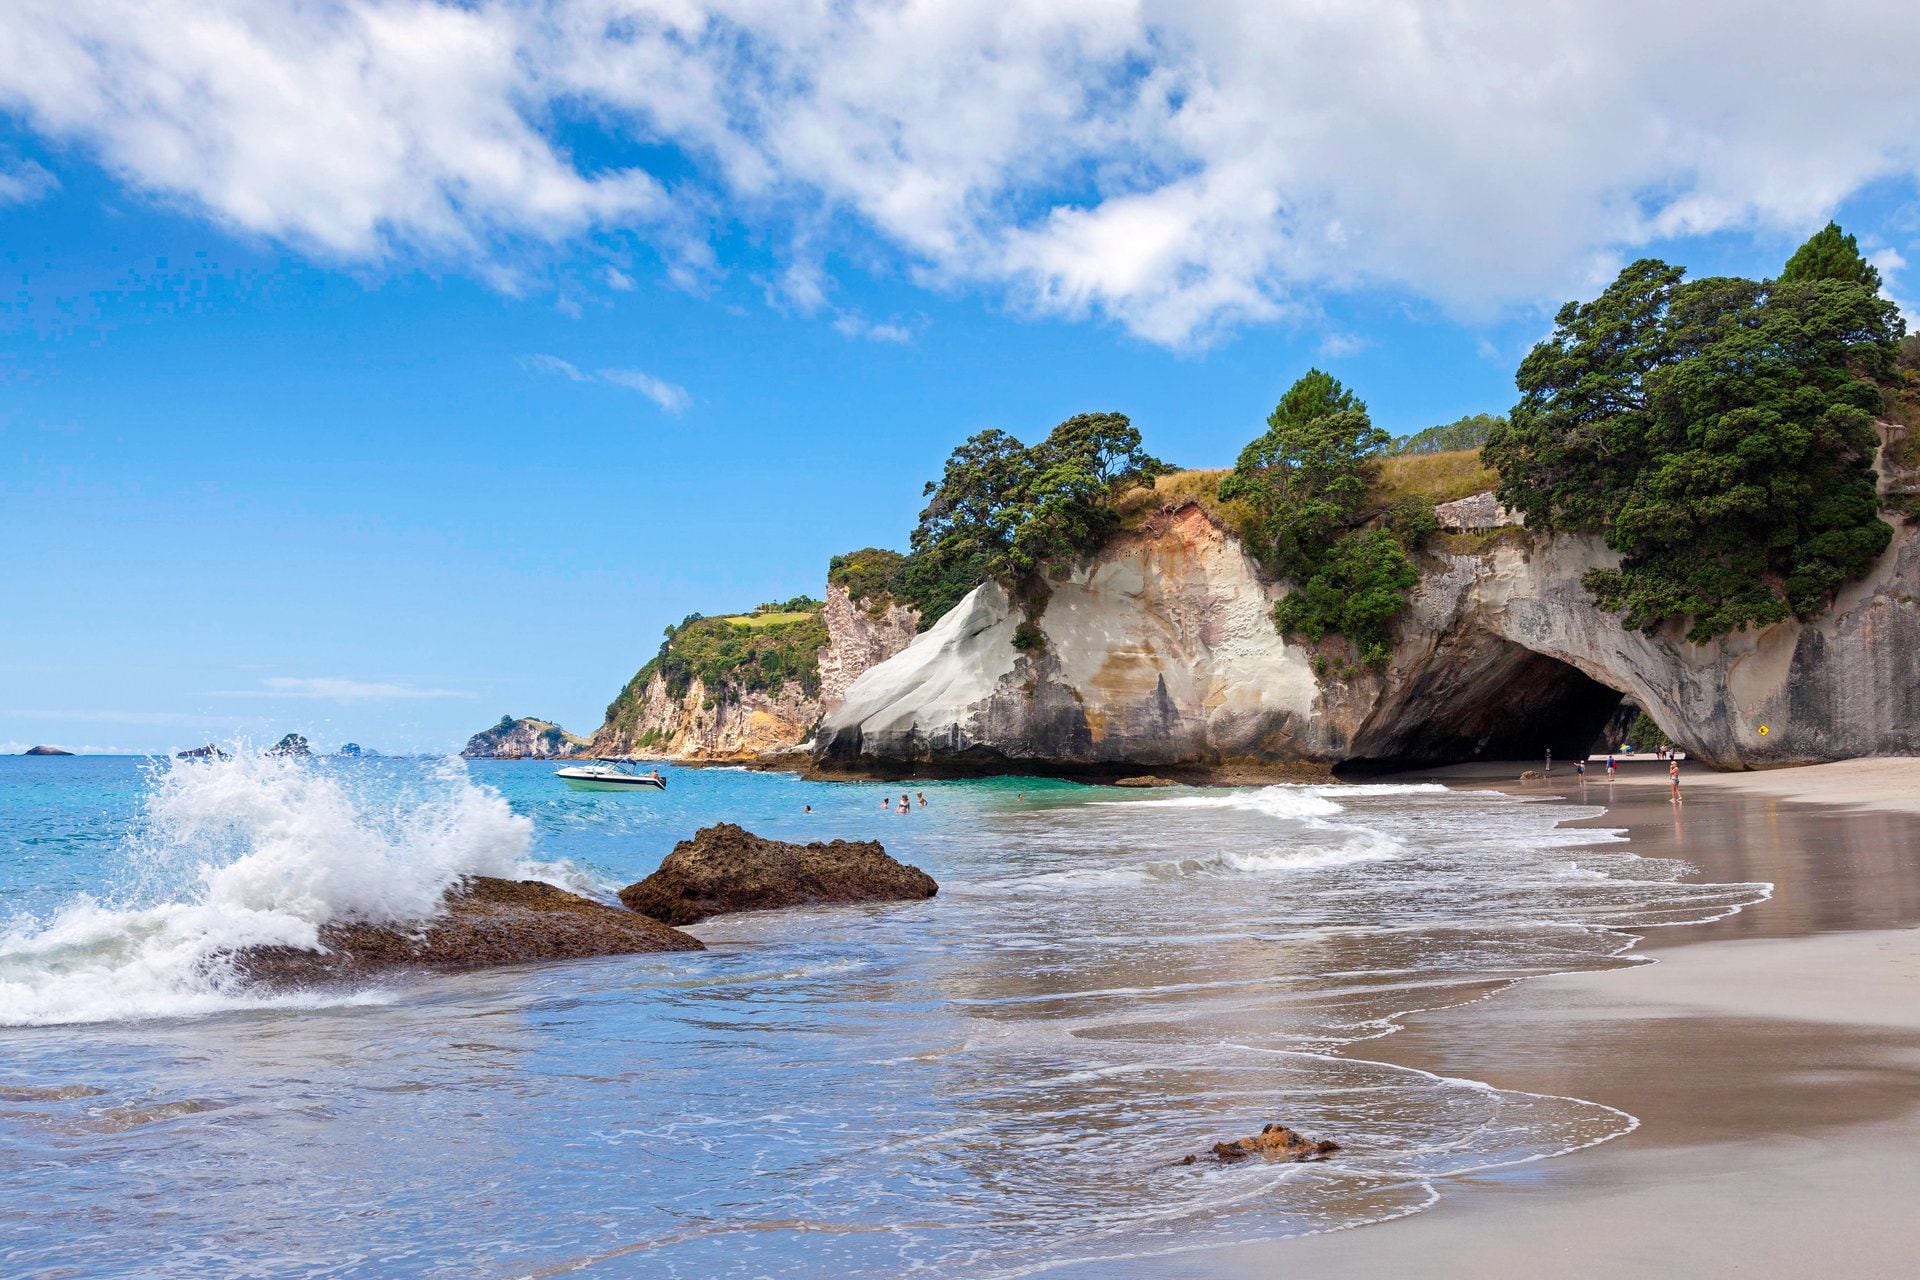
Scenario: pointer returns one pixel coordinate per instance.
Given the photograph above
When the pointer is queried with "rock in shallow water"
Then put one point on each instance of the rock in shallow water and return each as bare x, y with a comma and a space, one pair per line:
1275, 1142
726, 868
488, 921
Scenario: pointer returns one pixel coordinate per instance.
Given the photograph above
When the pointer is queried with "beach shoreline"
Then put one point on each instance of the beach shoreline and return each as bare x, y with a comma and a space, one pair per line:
1772, 1058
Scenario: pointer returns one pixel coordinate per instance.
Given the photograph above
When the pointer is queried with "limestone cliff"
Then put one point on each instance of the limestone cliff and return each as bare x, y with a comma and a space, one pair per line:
524, 738
1160, 652
726, 720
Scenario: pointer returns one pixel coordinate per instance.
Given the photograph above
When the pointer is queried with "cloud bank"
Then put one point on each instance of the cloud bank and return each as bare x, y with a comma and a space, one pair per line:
1178, 169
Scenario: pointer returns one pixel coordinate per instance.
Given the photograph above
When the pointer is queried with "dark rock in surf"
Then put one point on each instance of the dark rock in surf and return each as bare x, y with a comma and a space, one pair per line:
487, 922
725, 868
1145, 780
1275, 1142
208, 752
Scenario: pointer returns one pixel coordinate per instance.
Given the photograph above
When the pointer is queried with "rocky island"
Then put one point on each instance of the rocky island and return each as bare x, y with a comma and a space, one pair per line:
44, 750
524, 739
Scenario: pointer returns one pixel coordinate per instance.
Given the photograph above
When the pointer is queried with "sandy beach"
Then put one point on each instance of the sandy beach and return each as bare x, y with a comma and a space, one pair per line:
1772, 1059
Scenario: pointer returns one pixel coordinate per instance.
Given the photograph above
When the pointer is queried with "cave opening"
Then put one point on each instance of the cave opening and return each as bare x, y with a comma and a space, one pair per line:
1505, 703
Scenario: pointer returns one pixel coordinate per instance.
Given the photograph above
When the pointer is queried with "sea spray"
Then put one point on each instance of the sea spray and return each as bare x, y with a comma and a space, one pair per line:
249, 851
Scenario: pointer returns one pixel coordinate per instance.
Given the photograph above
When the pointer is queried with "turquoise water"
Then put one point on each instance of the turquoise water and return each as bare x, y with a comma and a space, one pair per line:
988, 1083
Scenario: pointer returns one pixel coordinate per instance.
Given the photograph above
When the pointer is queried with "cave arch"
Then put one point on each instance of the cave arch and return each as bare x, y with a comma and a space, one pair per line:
1500, 701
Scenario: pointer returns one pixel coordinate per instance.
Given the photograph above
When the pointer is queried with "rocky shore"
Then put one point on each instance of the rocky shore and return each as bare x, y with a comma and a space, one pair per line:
489, 922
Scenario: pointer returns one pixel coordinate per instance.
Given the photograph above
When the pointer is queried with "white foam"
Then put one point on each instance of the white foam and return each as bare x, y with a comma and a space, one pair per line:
1276, 801
251, 851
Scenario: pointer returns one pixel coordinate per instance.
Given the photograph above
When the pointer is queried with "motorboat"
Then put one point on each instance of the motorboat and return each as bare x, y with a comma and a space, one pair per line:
610, 773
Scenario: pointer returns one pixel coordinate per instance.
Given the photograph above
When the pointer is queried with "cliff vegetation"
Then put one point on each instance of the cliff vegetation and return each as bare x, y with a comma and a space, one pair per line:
728, 655
1717, 433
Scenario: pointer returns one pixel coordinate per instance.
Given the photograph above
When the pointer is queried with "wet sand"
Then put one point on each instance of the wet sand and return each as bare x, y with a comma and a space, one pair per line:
1773, 1060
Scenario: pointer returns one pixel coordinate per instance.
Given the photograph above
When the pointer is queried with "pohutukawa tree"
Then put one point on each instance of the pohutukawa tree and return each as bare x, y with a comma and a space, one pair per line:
1717, 433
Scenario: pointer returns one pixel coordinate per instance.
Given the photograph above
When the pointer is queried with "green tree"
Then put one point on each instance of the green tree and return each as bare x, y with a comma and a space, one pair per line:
1308, 475
1469, 432
1717, 433
1006, 511
1832, 254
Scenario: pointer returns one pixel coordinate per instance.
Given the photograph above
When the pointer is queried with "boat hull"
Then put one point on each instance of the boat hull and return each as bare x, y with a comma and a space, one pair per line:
613, 784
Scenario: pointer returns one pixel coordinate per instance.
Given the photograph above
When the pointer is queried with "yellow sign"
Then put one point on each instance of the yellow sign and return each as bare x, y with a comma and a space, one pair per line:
1763, 731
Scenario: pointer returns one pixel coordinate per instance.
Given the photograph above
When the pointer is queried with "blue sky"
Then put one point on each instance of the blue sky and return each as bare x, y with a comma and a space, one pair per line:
297, 434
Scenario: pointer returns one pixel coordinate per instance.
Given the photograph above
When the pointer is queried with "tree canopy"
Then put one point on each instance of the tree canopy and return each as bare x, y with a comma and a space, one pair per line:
1308, 474
1005, 510
1469, 432
1718, 433
1832, 254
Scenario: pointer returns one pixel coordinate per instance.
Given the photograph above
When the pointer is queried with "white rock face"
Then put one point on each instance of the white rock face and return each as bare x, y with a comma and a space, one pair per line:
1161, 651
1162, 648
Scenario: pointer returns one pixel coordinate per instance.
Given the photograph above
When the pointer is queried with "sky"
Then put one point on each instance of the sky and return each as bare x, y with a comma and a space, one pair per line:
374, 368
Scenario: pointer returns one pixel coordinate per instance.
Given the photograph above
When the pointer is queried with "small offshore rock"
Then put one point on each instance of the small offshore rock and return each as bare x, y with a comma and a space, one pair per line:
44, 750
487, 922
1145, 780
1275, 1142
726, 868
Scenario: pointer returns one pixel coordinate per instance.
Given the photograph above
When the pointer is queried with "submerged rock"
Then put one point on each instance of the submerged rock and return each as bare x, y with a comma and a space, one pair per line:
487, 922
725, 868
1275, 1142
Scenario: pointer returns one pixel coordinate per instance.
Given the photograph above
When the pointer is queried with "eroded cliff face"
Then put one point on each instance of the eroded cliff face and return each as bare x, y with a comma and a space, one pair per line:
1161, 653
732, 725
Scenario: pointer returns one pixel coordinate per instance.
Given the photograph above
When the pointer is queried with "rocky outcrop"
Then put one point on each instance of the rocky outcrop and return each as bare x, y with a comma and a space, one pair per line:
728, 724
1475, 512
293, 744
725, 869
208, 752
1160, 654
1275, 1142
46, 751
523, 739
862, 635
487, 922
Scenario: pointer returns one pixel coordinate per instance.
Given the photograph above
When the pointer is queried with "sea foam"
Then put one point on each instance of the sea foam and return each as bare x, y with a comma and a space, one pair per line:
249, 851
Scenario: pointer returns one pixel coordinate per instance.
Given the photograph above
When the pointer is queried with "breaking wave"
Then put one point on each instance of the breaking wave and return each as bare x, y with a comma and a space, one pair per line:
249, 851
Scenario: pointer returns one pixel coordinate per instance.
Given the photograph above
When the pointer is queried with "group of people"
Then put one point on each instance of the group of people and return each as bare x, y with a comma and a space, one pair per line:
1670, 754
905, 806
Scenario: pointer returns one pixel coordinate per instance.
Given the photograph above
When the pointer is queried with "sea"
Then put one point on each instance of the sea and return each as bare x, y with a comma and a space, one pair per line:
995, 1082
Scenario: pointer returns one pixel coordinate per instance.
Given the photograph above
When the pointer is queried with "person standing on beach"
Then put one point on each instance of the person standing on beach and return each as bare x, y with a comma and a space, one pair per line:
1580, 769
1549, 759
1673, 776
1609, 766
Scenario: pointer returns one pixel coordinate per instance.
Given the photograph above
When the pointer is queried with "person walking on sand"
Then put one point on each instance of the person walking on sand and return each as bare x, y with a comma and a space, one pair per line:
1609, 766
1580, 769
1673, 776
1549, 759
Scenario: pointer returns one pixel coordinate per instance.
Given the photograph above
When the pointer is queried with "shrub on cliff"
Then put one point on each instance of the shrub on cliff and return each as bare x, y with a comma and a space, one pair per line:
1718, 433
1004, 510
1357, 592
872, 574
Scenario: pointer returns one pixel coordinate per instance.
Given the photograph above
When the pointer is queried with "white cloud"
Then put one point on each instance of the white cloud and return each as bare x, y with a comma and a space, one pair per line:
1176, 168
851, 324
671, 397
556, 366
1338, 346
617, 280
667, 395
23, 182
336, 689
